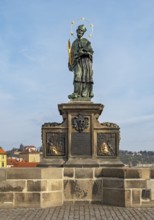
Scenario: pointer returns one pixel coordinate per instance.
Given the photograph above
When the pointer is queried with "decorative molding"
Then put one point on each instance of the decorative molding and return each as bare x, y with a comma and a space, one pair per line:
51, 124
110, 125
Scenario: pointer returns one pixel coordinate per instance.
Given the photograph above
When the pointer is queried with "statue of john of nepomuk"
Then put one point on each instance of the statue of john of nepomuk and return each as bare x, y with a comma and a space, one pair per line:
80, 62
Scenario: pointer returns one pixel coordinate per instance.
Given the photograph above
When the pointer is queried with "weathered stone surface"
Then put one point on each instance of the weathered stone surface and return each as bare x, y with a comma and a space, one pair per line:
117, 197
24, 173
135, 173
86, 190
113, 172
82, 162
69, 189
55, 185
152, 194
136, 195
128, 173
132, 173
36, 185
51, 199
6, 199
2, 174
135, 183
150, 185
127, 194
12, 185
91, 186
51, 173
97, 191
84, 173
146, 194
113, 183
55, 162
152, 173
147, 204
68, 172
27, 200
98, 172
78, 189
144, 173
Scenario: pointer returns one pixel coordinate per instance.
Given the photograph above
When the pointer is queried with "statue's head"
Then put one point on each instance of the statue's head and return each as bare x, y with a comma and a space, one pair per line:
82, 27
81, 30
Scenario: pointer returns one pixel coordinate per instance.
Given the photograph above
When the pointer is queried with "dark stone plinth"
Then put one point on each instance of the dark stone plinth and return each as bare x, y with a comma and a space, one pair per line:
80, 140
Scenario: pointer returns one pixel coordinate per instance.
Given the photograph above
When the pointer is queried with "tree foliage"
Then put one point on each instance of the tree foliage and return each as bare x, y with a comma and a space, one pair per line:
139, 158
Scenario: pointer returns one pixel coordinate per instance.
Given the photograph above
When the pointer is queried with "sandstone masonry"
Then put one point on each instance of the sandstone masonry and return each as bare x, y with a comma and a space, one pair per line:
48, 187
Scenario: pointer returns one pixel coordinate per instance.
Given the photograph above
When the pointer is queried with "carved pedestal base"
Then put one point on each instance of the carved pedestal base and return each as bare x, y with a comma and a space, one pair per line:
80, 140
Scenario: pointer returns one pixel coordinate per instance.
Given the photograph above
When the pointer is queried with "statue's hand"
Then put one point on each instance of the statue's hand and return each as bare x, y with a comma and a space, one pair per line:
82, 51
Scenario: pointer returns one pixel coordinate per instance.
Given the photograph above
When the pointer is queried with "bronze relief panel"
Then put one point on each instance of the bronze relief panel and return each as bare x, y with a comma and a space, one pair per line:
106, 144
55, 144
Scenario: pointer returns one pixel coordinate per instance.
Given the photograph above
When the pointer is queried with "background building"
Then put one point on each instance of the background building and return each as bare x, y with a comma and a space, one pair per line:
30, 154
3, 158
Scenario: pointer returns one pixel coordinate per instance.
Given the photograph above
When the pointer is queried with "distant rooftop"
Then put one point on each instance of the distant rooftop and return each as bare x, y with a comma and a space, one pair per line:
2, 151
18, 163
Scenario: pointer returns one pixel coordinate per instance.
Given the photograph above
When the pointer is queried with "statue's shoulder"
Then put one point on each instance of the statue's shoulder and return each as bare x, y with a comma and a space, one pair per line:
85, 40
75, 42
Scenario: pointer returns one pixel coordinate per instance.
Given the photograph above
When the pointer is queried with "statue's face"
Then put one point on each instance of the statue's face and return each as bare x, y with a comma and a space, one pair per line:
80, 33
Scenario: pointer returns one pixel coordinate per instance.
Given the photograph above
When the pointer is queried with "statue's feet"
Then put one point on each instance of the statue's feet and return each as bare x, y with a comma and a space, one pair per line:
73, 96
84, 94
91, 95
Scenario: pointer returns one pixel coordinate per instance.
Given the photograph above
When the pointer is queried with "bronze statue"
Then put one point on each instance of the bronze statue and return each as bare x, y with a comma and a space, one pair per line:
80, 62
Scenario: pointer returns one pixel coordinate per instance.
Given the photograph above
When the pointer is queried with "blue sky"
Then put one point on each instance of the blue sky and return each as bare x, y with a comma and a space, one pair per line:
34, 77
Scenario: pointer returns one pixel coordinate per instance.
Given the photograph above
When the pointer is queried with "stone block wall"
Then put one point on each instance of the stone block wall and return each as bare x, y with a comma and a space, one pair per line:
31, 187
128, 187
47, 187
82, 184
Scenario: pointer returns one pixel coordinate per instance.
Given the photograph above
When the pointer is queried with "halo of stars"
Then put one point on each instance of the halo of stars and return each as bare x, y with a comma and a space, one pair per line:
88, 25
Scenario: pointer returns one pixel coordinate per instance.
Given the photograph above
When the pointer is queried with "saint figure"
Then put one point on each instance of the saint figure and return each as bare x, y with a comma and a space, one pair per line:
80, 62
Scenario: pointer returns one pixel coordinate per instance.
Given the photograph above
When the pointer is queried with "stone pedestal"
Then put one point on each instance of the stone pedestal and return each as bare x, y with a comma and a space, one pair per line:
80, 140
53, 186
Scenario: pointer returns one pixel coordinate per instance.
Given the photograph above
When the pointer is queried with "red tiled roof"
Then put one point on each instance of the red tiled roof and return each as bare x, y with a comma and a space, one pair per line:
16, 163
2, 151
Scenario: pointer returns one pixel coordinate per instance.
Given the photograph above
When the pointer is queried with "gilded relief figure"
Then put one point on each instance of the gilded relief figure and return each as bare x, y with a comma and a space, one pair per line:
105, 149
